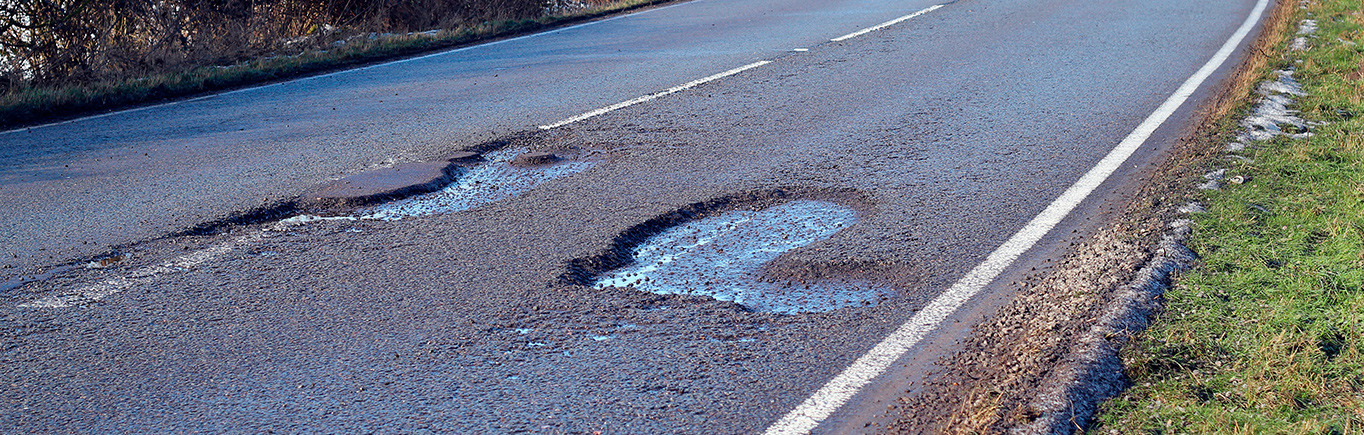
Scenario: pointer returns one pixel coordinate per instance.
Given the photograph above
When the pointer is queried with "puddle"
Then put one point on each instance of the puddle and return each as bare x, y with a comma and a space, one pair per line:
493, 180
722, 257
308, 218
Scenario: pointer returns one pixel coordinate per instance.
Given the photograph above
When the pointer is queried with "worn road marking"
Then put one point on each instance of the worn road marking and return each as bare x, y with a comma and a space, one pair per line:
145, 275
672, 90
819, 406
885, 24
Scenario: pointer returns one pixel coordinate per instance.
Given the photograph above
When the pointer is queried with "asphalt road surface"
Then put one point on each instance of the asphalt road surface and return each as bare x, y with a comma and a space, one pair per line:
944, 133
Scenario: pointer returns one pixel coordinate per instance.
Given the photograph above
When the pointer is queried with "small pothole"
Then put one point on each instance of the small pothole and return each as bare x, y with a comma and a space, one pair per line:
494, 180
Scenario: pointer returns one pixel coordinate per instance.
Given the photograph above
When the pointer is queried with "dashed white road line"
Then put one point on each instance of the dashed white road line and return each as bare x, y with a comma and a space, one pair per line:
672, 90
885, 24
819, 406
697, 82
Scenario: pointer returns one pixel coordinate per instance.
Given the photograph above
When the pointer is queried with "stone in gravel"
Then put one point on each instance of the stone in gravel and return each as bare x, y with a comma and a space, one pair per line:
381, 184
535, 158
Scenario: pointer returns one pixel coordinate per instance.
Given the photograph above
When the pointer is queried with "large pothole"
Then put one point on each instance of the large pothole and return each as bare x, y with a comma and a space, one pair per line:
723, 256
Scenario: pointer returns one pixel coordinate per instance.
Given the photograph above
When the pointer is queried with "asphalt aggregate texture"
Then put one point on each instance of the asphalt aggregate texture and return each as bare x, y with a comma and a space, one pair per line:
945, 134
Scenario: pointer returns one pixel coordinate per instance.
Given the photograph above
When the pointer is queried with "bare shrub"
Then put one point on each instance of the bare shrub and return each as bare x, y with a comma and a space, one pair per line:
58, 42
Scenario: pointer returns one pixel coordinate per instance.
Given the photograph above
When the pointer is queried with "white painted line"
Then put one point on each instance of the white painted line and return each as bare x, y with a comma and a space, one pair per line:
819, 406
672, 90
885, 24
145, 275
347, 71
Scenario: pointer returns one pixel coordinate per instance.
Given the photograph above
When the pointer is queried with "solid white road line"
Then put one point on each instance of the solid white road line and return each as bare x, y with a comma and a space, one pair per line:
885, 24
348, 71
809, 414
672, 90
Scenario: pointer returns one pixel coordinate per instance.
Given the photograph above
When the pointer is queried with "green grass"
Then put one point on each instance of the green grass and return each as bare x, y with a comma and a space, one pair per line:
32, 105
1266, 335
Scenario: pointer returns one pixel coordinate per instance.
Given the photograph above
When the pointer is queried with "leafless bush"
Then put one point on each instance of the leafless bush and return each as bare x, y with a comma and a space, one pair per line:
54, 42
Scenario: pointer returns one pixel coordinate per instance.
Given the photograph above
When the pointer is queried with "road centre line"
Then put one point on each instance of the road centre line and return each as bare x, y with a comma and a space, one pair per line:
885, 24
820, 405
672, 90
411, 59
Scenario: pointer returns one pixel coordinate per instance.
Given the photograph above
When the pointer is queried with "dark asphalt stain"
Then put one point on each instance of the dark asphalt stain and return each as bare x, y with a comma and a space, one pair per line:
375, 186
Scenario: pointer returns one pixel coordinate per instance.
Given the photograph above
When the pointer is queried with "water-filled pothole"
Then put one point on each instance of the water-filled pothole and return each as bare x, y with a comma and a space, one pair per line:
494, 180
722, 256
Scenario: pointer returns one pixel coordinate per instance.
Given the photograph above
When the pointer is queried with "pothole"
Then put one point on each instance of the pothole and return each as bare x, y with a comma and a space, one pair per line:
494, 180
722, 256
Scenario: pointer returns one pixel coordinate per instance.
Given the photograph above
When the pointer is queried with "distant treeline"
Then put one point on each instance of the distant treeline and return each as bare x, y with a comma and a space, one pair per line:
57, 42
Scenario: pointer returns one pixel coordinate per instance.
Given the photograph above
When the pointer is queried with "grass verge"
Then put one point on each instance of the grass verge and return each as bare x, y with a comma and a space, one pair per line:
1266, 335
34, 105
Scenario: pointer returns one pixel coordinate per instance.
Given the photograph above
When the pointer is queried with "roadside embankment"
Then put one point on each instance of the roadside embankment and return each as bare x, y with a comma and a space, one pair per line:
1264, 335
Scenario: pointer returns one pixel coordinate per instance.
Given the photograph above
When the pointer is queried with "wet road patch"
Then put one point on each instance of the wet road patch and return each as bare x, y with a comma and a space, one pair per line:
723, 256
377, 185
